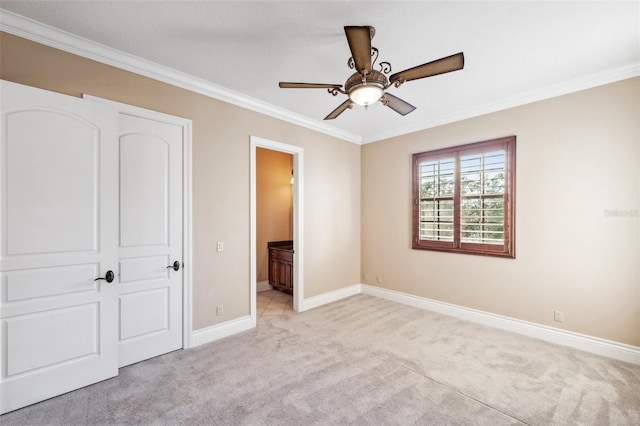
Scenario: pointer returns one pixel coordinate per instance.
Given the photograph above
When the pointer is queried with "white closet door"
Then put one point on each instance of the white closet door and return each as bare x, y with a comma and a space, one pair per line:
150, 290
59, 230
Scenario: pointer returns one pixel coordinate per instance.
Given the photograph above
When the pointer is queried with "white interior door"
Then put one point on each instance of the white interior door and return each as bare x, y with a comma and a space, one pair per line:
59, 217
150, 288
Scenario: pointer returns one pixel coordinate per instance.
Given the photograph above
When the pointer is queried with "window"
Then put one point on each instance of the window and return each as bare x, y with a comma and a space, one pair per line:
463, 198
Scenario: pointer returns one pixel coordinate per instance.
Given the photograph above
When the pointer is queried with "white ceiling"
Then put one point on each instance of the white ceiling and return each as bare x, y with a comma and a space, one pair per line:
515, 52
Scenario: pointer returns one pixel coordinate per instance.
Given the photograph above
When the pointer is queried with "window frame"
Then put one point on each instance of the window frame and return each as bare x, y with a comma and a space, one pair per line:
506, 250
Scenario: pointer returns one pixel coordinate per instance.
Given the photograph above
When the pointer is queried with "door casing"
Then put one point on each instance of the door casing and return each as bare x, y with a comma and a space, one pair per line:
298, 237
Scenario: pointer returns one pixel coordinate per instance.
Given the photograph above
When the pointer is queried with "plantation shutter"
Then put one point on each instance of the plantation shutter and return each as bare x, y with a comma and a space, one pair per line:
436, 199
463, 198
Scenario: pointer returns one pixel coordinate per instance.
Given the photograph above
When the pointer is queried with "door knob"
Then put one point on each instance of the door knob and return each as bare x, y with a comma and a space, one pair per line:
108, 277
175, 266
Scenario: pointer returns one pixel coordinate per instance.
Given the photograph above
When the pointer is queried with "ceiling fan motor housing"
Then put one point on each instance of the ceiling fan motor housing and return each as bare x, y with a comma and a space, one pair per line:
375, 78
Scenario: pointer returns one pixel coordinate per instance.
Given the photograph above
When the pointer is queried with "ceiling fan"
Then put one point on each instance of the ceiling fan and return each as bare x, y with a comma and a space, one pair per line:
367, 86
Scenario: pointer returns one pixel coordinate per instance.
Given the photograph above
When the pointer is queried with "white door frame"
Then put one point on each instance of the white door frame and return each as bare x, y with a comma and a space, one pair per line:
298, 240
187, 229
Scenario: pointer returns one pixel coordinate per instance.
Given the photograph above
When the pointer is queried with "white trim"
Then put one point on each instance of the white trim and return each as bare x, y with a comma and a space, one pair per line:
139, 111
187, 231
331, 296
187, 242
298, 215
591, 344
566, 87
50, 36
263, 286
219, 331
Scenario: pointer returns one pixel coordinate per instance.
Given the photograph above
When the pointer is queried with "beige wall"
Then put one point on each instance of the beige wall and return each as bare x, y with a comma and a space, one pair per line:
274, 204
577, 156
221, 176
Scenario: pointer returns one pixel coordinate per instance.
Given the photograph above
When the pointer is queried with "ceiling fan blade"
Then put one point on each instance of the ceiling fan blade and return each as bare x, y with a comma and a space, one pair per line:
398, 105
336, 112
289, 85
359, 39
439, 66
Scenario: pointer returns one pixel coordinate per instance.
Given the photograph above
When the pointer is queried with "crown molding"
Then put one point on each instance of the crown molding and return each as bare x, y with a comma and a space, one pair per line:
47, 35
44, 34
566, 87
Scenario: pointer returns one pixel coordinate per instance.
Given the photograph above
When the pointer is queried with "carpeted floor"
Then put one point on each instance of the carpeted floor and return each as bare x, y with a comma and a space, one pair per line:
363, 361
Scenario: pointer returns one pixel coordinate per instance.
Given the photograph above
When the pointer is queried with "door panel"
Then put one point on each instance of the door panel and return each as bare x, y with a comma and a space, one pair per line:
144, 268
144, 190
77, 326
150, 294
24, 285
52, 182
58, 232
155, 304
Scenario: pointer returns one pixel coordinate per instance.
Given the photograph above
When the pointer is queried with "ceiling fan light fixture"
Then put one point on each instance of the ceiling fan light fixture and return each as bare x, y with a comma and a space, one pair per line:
365, 90
366, 95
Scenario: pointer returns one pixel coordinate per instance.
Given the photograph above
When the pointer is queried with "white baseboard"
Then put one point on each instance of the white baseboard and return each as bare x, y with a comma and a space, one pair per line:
218, 331
263, 286
331, 296
591, 344
583, 342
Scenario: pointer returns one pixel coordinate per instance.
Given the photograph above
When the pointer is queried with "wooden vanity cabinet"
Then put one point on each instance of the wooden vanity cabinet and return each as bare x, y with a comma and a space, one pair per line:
281, 265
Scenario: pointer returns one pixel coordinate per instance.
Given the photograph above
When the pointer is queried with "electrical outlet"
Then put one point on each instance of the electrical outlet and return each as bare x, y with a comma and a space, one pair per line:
558, 316
365, 277
220, 246
379, 279
220, 310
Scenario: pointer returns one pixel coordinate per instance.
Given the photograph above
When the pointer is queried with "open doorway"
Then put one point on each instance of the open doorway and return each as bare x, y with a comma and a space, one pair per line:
276, 196
274, 232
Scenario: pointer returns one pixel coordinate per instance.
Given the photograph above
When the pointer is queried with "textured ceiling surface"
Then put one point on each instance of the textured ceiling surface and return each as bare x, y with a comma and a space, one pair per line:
511, 49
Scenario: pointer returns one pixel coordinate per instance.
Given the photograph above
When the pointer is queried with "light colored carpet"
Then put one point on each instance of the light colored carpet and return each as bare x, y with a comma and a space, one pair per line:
363, 361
